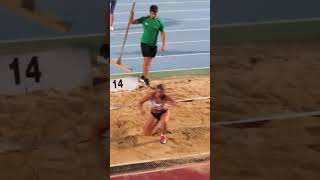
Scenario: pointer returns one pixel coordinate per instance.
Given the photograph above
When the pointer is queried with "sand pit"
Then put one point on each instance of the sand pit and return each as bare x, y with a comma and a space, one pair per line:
259, 79
46, 135
287, 149
189, 124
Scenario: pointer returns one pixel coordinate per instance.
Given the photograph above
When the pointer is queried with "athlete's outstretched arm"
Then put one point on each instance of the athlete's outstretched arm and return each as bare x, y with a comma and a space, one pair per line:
142, 101
171, 101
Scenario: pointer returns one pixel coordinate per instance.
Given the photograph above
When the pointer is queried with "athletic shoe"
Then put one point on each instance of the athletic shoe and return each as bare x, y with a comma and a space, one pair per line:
141, 79
163, 139
111, 28
147, 82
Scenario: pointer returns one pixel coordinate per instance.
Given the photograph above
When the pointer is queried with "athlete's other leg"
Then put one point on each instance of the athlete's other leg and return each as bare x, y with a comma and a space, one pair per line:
163, 127
163, 122
149, 126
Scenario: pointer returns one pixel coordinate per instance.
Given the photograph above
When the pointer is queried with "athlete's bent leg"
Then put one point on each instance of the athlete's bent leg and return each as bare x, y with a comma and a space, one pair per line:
149, 126
163, 127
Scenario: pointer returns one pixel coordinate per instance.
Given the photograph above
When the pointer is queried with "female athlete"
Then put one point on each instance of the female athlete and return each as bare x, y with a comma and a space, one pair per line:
160, 114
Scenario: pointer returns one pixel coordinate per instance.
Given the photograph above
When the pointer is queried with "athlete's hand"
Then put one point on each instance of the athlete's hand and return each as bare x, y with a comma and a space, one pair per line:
162, 49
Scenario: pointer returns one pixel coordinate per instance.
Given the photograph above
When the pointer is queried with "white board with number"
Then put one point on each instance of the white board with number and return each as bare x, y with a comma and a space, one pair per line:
60, 69
124, 84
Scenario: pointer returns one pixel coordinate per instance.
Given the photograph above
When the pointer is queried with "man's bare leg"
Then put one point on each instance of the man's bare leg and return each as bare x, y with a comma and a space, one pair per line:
146, 66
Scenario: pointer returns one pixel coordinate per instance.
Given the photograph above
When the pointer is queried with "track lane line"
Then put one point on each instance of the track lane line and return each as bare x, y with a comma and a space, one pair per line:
174, 42
174, 55
167, 11
167, 31
159, 71
172, 20
166, 2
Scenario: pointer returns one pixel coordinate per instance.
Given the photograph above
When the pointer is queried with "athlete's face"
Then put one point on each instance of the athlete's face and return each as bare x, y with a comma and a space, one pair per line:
159, 93
153, 14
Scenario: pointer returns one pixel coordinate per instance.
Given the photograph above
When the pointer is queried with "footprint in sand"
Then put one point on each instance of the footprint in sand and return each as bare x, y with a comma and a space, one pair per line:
128, 141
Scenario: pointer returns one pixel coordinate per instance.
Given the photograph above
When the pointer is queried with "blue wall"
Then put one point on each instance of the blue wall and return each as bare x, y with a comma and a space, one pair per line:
236, 11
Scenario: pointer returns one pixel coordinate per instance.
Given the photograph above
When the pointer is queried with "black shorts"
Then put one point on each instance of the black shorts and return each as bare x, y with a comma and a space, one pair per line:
148, 51
158, 115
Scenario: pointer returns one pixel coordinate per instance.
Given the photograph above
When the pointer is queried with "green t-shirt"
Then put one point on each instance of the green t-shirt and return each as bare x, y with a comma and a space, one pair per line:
151, 28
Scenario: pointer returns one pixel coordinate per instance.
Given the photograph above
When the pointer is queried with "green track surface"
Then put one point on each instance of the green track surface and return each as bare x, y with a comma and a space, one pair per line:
163, 74
303, 30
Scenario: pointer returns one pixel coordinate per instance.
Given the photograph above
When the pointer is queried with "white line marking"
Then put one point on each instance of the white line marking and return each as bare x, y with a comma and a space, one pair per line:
117, 107
193, 99
266, 22
52, 38
170, 70
171, 20
167, 11
274, 117
198, 155
174, 55
177, 42
168, 31
169, 2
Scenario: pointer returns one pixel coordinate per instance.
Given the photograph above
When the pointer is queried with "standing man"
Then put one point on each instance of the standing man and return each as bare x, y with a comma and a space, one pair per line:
152, 25
112, 7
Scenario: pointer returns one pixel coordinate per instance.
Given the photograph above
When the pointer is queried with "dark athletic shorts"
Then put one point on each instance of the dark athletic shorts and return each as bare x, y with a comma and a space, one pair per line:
148, 51
158, 115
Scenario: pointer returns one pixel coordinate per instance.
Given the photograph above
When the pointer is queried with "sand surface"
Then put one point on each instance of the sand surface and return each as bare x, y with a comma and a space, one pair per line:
263, 78
258, 79
189, 123
45, 135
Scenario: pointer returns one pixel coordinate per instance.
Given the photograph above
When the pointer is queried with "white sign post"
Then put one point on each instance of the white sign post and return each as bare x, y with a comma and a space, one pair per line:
124, 84
60, 69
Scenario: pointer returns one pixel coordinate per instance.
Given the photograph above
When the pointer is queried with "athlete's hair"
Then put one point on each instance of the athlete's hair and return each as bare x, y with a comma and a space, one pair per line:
153, 8
161, 87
